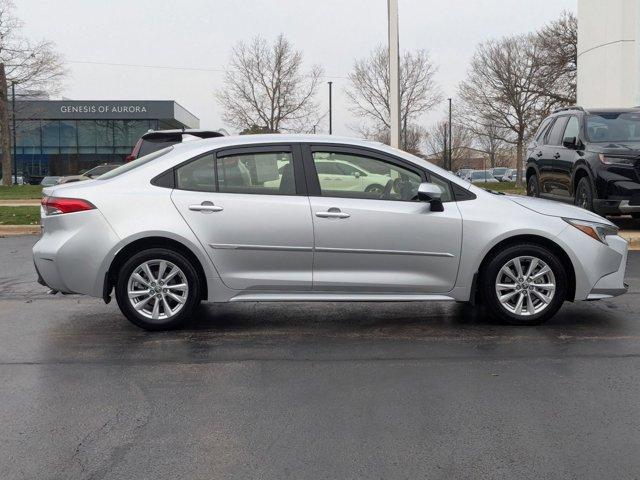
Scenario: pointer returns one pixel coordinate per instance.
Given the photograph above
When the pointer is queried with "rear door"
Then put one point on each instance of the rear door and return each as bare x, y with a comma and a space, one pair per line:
553, 150
249, 209
381, 241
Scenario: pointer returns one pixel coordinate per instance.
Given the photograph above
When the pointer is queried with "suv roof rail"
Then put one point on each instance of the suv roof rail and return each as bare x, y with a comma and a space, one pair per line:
564, 109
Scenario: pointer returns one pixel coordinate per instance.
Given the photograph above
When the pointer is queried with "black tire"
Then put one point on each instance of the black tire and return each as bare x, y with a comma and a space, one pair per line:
375, 188
489, 278
584, 194
533, 187
192, 296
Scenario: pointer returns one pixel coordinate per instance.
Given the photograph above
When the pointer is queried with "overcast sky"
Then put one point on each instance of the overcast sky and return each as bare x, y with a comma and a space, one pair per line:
200, 34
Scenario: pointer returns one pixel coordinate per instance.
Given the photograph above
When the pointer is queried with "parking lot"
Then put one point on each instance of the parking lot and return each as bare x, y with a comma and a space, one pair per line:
308, 390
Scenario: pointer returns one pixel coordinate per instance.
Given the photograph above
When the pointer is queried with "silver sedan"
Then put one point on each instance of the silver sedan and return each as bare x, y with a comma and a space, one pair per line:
249, 219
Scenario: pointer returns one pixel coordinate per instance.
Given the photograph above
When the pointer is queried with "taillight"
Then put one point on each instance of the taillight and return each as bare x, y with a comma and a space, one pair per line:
60, 205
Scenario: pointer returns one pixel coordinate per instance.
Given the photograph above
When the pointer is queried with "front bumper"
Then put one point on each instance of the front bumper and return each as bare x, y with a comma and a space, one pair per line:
612, 284
615, 207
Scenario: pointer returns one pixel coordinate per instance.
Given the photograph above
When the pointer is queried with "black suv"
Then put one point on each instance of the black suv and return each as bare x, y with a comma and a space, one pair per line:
588, 157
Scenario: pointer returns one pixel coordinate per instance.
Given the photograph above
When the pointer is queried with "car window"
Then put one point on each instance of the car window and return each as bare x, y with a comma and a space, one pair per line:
542, 129
346, 169
447, 192
380, 180
150, 146
198, 175
327, 168
268, 173
572, 129
555, 135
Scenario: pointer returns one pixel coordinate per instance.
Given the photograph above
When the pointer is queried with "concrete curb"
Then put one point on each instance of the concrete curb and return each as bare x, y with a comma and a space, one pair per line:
15, 230
26, 202
633, 237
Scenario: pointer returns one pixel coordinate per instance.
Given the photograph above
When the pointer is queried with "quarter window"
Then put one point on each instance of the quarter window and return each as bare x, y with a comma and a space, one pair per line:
354, 176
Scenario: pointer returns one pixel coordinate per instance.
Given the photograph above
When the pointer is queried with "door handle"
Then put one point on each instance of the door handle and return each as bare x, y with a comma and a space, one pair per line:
556, 156
205, 207
332, 213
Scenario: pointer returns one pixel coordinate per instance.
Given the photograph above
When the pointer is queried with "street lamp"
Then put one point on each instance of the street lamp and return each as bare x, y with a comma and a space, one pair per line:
394, 72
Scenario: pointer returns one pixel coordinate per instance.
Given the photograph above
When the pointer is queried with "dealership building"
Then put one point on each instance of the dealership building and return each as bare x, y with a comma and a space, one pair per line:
63, 137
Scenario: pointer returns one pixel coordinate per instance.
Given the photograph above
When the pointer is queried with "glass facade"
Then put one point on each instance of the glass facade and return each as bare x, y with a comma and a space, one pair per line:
68, 147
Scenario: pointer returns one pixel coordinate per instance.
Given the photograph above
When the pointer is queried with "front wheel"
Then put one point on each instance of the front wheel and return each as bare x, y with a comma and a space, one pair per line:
157, 289
524, 284
533, 188
584, 194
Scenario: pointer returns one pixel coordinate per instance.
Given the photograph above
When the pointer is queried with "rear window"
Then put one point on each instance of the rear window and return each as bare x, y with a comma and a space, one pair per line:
134, 164
150, 145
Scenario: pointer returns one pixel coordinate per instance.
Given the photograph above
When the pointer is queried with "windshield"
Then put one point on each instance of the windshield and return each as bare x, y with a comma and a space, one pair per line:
134, 164
614, 127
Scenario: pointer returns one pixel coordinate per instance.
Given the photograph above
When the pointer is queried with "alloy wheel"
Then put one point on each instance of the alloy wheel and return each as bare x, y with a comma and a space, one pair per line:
157, 289
525, 286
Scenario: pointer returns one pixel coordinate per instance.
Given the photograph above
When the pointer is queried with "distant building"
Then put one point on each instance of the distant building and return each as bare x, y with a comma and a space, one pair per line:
608, 53
62, 137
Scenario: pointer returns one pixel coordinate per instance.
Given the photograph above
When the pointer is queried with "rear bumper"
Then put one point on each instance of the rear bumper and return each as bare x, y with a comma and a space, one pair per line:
69, 256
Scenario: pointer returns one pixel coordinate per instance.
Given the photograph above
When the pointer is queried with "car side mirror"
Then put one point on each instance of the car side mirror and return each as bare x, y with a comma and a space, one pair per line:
431, 193
570, 142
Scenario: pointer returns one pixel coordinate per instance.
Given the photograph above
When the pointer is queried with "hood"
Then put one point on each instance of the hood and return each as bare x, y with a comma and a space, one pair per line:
622, 149
557, 209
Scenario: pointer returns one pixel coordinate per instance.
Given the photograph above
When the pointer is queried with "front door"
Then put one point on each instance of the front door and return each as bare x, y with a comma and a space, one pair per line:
374, 240
250, 215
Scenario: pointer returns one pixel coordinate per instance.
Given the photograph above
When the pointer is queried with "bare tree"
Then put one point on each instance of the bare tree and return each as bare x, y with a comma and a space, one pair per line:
368, 91
489, 139
266, 89
27, 65
413, 137
438, 137
500, 91
558, 45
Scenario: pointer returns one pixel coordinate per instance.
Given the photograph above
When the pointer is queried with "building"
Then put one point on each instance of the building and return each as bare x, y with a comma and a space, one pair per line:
63, 137
608, 53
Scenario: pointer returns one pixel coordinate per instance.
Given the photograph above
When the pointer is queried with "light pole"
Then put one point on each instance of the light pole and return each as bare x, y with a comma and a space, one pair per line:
13, 119
330, 110
394, 72
450, 141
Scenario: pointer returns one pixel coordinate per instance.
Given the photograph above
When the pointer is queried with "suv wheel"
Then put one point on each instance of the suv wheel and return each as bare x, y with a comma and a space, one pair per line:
533, 189
157, 289
584, 194
524, 284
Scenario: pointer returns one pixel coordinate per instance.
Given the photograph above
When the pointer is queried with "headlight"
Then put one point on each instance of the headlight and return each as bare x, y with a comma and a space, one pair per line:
597, 231
615, 160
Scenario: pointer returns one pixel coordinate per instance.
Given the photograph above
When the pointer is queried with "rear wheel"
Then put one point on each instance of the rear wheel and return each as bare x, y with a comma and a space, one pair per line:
157, 289
533, 189
584, 194
524, 284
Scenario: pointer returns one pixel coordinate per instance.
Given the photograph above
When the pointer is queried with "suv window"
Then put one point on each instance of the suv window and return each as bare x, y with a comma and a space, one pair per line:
542, 129
389, 182
555, 135
573, 128
269, 173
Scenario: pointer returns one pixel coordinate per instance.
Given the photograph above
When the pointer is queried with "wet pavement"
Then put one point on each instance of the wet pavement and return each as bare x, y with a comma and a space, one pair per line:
273, 391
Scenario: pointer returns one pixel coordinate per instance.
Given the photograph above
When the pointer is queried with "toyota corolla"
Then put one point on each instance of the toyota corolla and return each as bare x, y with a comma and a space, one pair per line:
250, 219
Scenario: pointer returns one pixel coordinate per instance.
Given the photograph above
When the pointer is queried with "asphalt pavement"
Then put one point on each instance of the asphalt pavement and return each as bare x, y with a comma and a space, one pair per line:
329, 391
